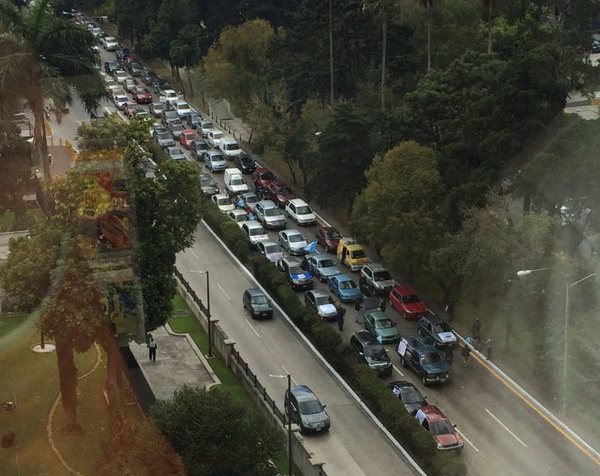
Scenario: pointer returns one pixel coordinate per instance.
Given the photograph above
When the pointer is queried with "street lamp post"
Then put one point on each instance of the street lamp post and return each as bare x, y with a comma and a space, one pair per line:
209, 354
568, 286
289, 418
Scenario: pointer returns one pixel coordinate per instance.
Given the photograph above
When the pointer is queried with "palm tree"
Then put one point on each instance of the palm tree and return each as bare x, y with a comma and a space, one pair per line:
44, 57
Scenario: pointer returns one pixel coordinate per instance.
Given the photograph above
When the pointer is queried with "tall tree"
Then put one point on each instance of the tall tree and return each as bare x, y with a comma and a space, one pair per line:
47, 57
15, 163
185, 50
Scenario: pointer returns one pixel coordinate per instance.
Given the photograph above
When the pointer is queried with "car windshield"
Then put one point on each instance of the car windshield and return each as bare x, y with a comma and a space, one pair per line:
326, 263
296, 270
273, 249
217, 135
374, 350
177, 127
383, 324
224, 201
257, 232
164, 135
321, 300
172, 114
358, 254
382, 276
189, 135
410, 298
236, 181
442, 427
333, 235
240, 217
272, 212
347, 285
285, 191
183, 105
207, 182
233, 146
410, 395
200, 146
310, 407
251, 199
431, 358
295, 238
442, 327
259, 300
267, 176
207, 125
175, 152
247, 160
304, 210
217, 158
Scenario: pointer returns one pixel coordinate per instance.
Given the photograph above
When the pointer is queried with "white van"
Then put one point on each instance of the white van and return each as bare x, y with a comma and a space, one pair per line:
234, 182
230, 148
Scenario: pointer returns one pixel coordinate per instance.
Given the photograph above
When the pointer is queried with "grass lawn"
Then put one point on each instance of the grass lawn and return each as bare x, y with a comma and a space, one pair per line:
184, 321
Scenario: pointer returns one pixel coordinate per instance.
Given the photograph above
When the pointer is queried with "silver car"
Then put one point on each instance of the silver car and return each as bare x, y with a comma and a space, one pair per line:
271, 250
321, 265
293, 241
270, 215
176, 153
164, 139
322, 303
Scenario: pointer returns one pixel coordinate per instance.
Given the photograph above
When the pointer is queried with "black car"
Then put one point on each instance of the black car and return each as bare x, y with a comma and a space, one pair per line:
245, 163
371, 352
596, 46
410, 396
148, 77
257, 304
159, 84
193, 120
199, 146
111, 66
306, 410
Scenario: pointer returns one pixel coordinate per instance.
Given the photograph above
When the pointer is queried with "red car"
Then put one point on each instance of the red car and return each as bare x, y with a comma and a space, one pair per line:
186, 137
406, 302
443, 431
280, 193
328, 237
141, 95
262, 177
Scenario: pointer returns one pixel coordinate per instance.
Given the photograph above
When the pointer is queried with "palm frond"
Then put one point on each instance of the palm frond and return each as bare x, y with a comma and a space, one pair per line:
10, 17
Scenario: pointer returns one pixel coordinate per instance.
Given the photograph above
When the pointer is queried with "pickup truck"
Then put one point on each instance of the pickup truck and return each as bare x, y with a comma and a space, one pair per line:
428, 363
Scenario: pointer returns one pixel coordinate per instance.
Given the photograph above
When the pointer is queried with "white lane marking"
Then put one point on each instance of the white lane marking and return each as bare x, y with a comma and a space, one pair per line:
252, 327
195, 255
78, 122
505, 427
288, 372
223, 291
467, 440
398, 370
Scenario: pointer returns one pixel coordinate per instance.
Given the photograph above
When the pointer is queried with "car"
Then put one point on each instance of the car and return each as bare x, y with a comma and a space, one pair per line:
160, 84
293, 241
148, 77
270, 250
120, 100
120, 75
214, 161
245, 163
157, 109
306, 410
409, 395
279, 192
351, 253
238, 216
254, 232
269, 215
176, 128
223, 202
299, 212
404, 300
329, 238
141, 114
595, 46
164, 139
141, 95
443, 431
128, 104
344, 288
428, 362
183, 109
111, 85
230, 148
299, 279
110, 43
375, 280
436, 331
97, 32
169, 116
322, 266
129, 84
322, 303
132, 109
135, 68
186, 138
193, 120
155, 128
175, 153
111, 66
262, 177
168, 97
214, 138
248, 202
380, 326
371, 352
207, 184
205, 127
198, 147
257, 304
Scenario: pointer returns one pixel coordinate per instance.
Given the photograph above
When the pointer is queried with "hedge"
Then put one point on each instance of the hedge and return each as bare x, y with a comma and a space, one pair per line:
328, 341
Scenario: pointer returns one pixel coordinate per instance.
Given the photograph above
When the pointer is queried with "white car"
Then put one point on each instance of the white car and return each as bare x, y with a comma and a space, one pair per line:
110, 43
299, 211
121, 75
120, 100
205, 127
223, 202
97, 32
254, 232
183, 109
293, 241
230, 148
238, 216
214, 138
169, 97
111, 85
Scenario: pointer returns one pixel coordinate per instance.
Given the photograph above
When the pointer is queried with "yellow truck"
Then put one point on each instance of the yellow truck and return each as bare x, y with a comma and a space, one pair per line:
350, 253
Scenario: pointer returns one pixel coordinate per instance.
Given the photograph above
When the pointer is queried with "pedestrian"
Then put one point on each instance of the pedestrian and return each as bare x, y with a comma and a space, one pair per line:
488, 347
466, 351
450, 311
357, 308
340, 321
383, 304
152, 349
476, 332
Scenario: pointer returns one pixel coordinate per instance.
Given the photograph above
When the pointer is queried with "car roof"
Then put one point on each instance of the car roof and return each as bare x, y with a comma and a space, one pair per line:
303, 392
375, 267
298, 201
431, 317
262, 170
403, 289
377, 314
221, 195
237, 211
188, 131
402, 383
291, 261
268, 242
320, 256
255, 292
292, 231
253, 224
318, 292
343, 277
433, 413
249, 194
366, 337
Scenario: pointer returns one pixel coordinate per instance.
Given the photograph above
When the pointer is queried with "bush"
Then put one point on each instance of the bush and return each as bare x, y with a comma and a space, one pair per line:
228, 231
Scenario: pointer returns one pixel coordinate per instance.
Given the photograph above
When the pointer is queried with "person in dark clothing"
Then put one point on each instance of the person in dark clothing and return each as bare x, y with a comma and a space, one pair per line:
450, 311
152, 349
489, 347
340, 321
465, 352
357, 308
476, 333
383, 304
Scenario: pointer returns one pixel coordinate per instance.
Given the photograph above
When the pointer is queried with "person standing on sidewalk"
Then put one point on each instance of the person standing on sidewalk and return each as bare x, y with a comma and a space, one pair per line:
152, 349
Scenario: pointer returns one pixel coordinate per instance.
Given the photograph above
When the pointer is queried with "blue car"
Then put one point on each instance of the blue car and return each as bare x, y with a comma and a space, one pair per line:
344, 288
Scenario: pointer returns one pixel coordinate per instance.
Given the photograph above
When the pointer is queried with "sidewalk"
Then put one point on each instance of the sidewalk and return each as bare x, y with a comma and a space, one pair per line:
178, 363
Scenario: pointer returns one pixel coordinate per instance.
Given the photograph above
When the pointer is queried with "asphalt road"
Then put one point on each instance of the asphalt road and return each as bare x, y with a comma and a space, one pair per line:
503, 435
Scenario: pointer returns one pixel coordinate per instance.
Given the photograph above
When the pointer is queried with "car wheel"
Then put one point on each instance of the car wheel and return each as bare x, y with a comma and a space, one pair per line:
424, 380
402, 361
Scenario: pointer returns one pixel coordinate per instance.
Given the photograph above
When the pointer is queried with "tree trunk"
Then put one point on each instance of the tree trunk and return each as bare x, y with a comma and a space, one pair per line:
292, 171
40, 146
114, 364
68, 382
383, 60
428, 35
331, 78
489, 22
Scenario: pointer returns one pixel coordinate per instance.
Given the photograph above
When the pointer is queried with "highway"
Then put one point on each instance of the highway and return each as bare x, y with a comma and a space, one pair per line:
503, 434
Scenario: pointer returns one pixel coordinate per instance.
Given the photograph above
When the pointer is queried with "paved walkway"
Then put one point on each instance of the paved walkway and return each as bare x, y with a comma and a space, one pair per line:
178, 362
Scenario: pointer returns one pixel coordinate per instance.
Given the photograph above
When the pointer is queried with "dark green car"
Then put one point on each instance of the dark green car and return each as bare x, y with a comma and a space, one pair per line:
381, 326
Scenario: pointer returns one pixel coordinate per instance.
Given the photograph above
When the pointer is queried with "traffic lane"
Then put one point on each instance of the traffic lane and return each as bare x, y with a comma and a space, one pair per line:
281, 348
